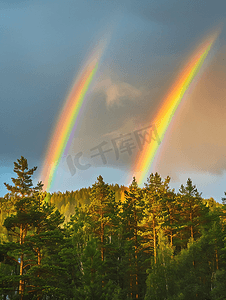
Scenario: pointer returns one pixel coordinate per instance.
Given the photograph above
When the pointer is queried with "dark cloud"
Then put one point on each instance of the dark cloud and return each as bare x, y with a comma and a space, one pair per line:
185, 21
185, 13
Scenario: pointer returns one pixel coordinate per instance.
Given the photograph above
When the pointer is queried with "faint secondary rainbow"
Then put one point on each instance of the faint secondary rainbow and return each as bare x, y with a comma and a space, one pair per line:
173, 98
68, 119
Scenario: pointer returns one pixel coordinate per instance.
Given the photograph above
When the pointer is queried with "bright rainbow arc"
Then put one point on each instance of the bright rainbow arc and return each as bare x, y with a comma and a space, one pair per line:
61, 139
163, 118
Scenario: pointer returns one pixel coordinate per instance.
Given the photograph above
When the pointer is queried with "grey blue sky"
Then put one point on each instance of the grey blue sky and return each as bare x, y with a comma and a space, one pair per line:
45, 43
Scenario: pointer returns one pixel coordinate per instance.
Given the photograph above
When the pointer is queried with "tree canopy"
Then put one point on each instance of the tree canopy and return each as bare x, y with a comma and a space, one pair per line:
111, 242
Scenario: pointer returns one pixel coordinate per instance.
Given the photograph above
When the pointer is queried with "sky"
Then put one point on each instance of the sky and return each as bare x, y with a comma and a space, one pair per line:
45, 44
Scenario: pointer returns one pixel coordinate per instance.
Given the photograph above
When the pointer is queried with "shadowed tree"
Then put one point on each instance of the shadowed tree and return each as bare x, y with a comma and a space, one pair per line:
20, 197
36, 235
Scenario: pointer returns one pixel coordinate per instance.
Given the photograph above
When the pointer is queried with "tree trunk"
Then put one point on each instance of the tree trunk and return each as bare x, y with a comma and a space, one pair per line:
217, 259
171, 230
21, 283
136, 251
191, 219
39, 257
154, 241
131, 280
102, 241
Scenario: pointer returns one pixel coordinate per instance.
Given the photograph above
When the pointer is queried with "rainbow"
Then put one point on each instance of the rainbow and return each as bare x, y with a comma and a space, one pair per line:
166, 112
68, 120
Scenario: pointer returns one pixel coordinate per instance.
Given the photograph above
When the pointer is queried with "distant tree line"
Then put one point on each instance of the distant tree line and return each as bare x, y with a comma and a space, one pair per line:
110, 242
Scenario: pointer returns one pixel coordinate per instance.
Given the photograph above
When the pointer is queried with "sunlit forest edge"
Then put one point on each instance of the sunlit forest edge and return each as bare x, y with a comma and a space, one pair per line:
111, 242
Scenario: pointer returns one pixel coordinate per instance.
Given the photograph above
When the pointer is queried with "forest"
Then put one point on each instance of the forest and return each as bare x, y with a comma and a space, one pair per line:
111, 242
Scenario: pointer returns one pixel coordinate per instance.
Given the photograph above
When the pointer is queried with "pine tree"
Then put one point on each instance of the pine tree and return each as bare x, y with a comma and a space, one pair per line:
131, 217
36, 235
103, 213
161, 279
171, 217
21, 198
23, 186
154, 192
101, 210
193, 210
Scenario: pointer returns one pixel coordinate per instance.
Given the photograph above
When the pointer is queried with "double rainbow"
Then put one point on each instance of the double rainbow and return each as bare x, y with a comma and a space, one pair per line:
173, 98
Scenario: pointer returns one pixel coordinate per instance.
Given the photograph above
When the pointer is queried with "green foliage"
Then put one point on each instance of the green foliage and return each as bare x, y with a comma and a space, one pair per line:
160, 281
36, 234
108, 242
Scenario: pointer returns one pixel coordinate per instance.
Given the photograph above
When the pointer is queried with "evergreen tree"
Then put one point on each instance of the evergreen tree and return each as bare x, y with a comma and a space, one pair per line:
193, 210
102, 205
161, 279
103, 222
154, 193
131, 216
36, 234
21, 198
171, 217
